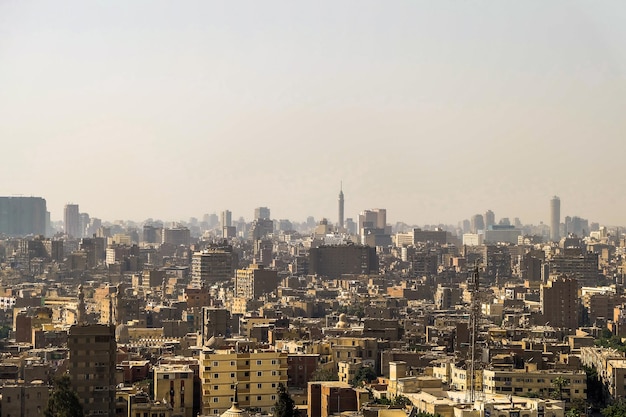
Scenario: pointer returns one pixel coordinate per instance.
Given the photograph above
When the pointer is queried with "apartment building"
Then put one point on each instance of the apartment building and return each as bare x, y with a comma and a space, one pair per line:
542, 382
92, 350
174, 383
611, 367
257, 373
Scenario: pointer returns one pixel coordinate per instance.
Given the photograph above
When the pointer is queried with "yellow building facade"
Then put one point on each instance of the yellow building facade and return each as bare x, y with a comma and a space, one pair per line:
256, 372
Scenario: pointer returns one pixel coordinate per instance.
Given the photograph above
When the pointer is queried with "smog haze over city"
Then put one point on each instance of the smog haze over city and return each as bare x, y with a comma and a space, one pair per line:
433, 110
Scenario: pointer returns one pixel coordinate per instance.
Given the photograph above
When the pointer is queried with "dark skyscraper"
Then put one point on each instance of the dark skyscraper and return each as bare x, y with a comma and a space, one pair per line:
261, 213
91, 366
20, 216
340, 220
555, 218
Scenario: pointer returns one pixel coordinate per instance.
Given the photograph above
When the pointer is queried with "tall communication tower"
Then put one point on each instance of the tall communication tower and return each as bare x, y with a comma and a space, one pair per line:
473, 287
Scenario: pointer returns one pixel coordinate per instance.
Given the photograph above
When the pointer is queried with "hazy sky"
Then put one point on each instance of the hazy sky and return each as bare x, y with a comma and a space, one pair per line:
435, 110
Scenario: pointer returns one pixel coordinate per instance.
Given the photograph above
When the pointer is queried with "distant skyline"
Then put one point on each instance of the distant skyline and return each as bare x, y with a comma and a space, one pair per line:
248, 217
433, 110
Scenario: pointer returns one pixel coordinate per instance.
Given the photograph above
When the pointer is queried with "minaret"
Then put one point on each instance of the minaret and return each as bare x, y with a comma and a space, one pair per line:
111, 313
118, 305
340, 222
234, 410
474, 288
80, 310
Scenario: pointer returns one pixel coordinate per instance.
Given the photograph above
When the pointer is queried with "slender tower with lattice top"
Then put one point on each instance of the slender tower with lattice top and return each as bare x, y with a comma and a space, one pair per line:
340, 221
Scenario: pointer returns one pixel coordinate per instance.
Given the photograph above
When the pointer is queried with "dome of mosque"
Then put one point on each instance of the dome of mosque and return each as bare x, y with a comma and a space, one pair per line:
343, 322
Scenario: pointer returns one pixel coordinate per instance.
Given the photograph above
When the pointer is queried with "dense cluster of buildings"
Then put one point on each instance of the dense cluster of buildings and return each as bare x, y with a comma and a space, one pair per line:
210, 317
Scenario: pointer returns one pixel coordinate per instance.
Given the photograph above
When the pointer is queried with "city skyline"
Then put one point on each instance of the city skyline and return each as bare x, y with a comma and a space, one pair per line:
339, 202
433, 110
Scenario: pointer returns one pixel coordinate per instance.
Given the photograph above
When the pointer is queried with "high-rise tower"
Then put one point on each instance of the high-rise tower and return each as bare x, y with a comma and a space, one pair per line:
226, 219
555, 218
490, 219
71, 221
261, 213
20, 216
92, 349
477, 223
340, 221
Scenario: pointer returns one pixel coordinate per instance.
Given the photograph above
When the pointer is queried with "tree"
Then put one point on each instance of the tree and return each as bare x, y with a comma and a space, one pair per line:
558, 383
401, 401
595, 388
322, 374
63, 401
615, 410
285, 406
4, 332
365, 374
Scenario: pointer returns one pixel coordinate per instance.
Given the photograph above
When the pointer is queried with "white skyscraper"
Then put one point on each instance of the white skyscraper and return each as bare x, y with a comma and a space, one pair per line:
555, 218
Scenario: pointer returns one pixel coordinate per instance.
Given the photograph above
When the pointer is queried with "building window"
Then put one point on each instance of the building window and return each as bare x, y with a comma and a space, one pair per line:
273, 397
273, 361
215, 399
215, 363
215, 387
232, 375
259, 362
258, 398
216, 375
259, 386
259, 373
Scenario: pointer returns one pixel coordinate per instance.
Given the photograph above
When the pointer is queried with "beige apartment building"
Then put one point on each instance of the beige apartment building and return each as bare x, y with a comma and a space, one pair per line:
457, 376
346, 349
523, 381
24, 399
256, 372
254, 281
611, 367
347, 369
174, 383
